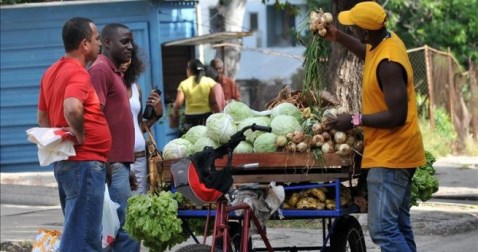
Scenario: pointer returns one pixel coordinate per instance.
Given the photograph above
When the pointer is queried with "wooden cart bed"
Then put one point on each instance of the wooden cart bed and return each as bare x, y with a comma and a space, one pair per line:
282, 167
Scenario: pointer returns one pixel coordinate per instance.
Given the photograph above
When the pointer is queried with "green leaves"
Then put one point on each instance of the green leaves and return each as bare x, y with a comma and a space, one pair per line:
153, 219
437, 23
424, 183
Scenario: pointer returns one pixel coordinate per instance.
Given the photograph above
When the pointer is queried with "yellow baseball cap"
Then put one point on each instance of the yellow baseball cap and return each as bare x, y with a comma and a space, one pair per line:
366, 15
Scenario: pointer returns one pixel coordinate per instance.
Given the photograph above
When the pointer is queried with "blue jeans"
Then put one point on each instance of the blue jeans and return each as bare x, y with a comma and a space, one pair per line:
389, 196
81, 187
120, 191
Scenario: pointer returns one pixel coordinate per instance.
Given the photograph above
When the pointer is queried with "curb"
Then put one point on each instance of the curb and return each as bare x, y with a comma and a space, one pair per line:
29, 195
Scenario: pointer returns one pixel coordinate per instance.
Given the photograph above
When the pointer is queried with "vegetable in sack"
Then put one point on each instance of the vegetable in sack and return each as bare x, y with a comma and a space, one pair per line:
265, 143
177, 148
195, 133
220, 127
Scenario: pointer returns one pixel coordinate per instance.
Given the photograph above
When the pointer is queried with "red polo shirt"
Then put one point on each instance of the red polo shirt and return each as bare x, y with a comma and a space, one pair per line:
68, 78
113, 95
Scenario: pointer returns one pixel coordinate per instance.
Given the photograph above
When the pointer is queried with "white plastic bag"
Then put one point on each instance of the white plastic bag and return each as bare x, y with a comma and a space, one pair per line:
110, 221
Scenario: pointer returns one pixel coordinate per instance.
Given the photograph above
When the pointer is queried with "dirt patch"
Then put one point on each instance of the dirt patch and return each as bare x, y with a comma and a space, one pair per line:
442, 223
9, 246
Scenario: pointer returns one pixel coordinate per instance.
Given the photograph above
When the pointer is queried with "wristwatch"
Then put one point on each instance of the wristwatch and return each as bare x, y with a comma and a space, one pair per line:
356, 120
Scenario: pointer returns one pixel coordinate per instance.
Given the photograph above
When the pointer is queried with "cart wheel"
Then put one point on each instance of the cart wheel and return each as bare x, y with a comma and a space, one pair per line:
347, 236
195, 248
235, 232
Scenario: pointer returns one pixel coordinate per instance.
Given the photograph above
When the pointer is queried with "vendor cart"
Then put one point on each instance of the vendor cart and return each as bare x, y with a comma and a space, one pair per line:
296, 171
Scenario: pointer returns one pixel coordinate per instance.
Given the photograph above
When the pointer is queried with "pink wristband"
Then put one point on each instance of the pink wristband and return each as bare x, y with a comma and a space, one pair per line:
356, 120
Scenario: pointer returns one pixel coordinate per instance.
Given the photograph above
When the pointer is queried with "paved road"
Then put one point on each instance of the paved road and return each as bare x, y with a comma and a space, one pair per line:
439, 227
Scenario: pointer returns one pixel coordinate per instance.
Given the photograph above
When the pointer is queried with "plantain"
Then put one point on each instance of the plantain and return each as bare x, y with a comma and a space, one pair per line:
330, 206
317, 193
293, 200
320, 205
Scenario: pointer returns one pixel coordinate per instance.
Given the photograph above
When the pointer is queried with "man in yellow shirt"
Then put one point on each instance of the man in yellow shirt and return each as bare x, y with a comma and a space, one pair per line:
393, 142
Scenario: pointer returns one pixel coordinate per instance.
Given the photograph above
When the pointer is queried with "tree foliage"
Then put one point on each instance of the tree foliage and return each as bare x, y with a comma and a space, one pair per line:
437, 23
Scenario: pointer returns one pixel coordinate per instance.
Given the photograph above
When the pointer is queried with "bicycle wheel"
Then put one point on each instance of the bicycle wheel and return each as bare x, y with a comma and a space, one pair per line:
195, 248
347, 236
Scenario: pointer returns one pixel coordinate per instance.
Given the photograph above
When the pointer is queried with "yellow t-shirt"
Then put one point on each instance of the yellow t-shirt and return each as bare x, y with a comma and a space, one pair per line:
197, 94
400, 147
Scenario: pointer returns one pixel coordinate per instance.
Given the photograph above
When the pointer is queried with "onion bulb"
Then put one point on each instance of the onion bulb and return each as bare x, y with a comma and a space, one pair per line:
340, 137
281, 141
328, 17
317, 128
344, 150
318, 140
350, 140
327, 148
291, 147
326, 135
302, 147
298, 136
289, 136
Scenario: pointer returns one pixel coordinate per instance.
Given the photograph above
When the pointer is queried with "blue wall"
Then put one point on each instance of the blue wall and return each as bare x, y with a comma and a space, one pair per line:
31, 41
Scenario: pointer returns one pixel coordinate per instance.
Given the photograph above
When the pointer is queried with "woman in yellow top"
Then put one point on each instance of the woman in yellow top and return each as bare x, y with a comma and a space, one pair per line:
195, 90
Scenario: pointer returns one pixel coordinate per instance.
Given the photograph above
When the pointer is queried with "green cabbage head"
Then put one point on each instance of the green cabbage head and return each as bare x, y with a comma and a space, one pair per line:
286, 109
238, 110
203, 142
252, 135
244, 147
265, 143
177, 148
220, 127
195, 133
283, 124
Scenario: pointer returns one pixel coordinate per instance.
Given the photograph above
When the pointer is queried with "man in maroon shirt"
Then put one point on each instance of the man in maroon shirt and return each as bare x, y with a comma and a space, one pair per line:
108, 81
231, 92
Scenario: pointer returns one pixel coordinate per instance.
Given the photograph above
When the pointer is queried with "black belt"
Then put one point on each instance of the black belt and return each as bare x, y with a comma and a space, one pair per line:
139, 154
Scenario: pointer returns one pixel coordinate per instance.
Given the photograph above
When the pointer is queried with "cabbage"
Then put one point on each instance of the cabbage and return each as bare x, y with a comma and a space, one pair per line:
244, 147
286, 109
252, 135
203, 142
195, 133
265, 143
177, 148
238, 110
283, 124
220, 127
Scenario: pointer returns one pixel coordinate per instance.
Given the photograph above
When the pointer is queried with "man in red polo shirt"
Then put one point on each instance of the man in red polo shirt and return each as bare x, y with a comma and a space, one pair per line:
68, 100
108, 81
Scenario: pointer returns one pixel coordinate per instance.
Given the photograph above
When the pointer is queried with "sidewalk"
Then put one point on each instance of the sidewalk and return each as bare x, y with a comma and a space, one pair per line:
458, 178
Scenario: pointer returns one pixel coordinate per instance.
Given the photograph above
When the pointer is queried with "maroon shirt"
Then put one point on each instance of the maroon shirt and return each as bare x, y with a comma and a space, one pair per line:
113, 95
231, 92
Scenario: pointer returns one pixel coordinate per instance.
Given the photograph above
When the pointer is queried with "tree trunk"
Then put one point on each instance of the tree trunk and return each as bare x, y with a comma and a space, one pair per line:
345, 69
473, 99
230, 18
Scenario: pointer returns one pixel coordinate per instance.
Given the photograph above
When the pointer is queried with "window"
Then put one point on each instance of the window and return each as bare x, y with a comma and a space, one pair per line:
253, 21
